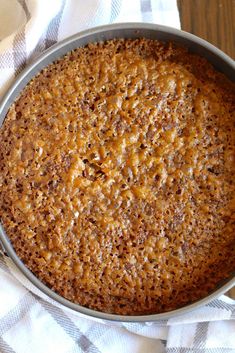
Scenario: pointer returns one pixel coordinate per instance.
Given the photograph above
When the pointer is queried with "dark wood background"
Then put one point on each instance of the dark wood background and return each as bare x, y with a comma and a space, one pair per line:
213, 20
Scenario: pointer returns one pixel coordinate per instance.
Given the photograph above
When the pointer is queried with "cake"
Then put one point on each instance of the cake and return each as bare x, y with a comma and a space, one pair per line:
117, 176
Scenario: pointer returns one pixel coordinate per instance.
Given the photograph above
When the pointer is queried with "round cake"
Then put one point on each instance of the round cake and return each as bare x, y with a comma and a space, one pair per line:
117, 176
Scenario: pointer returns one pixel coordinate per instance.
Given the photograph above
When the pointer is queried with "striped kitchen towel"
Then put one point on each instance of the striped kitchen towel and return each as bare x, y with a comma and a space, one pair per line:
30, 322
28, 27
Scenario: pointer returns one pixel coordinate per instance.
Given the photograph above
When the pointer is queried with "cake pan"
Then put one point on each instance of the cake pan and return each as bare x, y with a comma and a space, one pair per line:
220, 61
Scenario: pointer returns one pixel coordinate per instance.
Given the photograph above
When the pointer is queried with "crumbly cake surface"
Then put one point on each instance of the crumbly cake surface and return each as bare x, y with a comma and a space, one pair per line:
117, 176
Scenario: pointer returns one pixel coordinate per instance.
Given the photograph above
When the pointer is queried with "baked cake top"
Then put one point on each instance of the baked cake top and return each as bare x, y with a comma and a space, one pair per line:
117, 176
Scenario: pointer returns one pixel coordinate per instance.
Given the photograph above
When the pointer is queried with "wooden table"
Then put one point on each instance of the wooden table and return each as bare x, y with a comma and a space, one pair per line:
213, 20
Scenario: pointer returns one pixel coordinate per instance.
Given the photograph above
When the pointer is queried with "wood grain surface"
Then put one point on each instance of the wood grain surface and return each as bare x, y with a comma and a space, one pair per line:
231, 293
213, 20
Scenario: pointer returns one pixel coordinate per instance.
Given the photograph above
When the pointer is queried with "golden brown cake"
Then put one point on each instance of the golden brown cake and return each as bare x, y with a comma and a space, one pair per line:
117, 176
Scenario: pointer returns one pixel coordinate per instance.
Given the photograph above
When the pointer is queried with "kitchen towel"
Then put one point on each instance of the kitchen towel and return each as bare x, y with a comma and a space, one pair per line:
28, 27
32, 322
29, 320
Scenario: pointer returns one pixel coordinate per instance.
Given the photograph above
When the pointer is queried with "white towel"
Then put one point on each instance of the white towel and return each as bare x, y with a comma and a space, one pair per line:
30, 322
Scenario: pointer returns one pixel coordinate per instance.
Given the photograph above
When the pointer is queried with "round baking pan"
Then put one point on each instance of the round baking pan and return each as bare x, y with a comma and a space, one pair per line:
221, 62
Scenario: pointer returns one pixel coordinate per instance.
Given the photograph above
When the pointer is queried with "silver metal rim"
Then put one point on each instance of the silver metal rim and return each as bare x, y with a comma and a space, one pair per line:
105, 32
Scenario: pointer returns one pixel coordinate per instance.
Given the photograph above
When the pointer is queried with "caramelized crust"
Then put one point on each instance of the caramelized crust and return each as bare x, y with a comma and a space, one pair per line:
117, 176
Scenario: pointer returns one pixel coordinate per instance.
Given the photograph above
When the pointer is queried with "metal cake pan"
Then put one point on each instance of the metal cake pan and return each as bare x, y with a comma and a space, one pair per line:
220, 61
